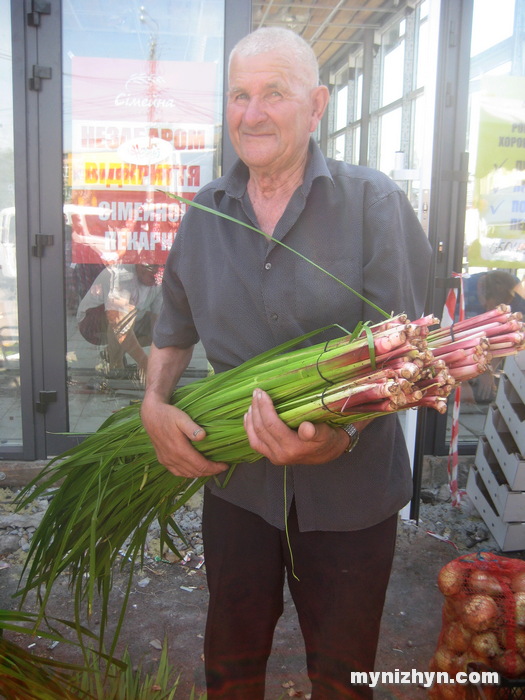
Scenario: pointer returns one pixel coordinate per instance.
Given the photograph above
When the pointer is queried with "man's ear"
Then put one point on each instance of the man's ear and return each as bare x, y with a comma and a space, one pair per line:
320, 99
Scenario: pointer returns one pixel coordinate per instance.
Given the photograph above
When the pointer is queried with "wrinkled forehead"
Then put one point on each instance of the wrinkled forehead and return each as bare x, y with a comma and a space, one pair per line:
277, 67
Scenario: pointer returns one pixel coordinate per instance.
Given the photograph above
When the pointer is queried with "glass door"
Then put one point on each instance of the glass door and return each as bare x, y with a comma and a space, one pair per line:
10, 396
142, 120
110, 108
494, 245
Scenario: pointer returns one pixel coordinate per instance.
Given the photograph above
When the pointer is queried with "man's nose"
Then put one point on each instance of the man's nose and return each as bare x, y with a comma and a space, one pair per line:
255, 111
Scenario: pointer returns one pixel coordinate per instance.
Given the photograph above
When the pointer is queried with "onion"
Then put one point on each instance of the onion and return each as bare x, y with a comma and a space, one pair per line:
517, 582
450, 610
461, 662
482, 582
520, 641
486, 644
451, 692
434, 693
510, 663
445, 659
512, 638
479, 612
520, 609
456, 637
451, 578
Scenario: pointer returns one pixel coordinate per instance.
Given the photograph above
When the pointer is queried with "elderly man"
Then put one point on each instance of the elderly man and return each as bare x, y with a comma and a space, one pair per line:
241, 293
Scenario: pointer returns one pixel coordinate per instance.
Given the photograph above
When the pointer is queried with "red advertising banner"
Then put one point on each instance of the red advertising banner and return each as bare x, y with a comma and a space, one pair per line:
140, 130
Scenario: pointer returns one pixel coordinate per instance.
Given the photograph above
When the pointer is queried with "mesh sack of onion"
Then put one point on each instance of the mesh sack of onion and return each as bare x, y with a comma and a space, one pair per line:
483, 626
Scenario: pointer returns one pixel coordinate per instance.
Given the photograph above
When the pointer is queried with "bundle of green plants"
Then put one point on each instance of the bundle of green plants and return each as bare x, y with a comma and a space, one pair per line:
109, 489
26, 675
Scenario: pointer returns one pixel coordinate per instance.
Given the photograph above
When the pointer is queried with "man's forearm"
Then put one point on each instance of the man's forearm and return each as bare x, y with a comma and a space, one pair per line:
165, 367
130, 344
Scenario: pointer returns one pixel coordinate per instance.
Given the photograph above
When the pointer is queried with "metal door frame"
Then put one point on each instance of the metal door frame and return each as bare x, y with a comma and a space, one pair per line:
37, 104
448, 196
448, 192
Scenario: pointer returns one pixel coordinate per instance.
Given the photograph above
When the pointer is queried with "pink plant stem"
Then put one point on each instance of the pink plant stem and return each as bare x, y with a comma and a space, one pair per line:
429, 320
477, 321
506, 352
509, 339
453, 356
385, 406
462, 374
465, 344
435, 402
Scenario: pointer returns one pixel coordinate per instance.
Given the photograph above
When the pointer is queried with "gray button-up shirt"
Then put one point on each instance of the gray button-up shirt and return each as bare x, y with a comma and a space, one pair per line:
241, 293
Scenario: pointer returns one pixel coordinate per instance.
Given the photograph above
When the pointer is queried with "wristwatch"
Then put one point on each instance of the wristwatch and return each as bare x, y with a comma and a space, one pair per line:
353, 434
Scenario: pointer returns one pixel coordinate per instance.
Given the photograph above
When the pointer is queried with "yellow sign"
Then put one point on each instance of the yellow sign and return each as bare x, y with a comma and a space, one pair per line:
499, 195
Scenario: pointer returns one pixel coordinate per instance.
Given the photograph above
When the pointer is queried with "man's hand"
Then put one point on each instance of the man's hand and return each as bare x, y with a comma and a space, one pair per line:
172, 431
309, 444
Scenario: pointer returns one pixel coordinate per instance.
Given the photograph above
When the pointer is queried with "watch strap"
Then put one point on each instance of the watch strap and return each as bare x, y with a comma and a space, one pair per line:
353, 434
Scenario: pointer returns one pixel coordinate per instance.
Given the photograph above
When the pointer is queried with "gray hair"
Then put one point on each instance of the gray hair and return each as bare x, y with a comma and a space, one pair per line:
268, 39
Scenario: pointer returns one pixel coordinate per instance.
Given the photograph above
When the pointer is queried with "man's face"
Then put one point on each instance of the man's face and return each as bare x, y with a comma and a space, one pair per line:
147, 274
271, 112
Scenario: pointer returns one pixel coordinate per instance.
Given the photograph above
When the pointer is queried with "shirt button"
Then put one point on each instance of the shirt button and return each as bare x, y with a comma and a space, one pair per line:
268, 266
274, 317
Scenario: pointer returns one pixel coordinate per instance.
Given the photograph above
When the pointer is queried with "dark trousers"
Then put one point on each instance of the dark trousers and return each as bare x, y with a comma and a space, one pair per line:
339, 599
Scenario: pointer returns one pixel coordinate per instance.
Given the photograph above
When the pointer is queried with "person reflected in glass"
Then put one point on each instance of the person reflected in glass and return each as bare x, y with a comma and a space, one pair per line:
119, 312
485, 291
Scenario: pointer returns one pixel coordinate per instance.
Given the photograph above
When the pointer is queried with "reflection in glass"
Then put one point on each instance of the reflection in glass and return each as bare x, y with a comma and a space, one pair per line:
118, 313
422, 65
356, 139
142, 116
390, 140
494, 257
340, 147
10, 405
489, 30
341, 109
359, 90
483, 291
393, 66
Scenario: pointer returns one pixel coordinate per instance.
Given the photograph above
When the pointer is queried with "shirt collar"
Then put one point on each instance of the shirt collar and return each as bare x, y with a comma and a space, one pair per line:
236, 180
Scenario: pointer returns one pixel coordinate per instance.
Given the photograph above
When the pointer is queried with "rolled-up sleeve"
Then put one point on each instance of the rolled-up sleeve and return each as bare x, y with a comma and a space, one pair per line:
175, 326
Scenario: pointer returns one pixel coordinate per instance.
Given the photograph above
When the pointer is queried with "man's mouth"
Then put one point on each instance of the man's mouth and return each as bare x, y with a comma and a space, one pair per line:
255, 134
